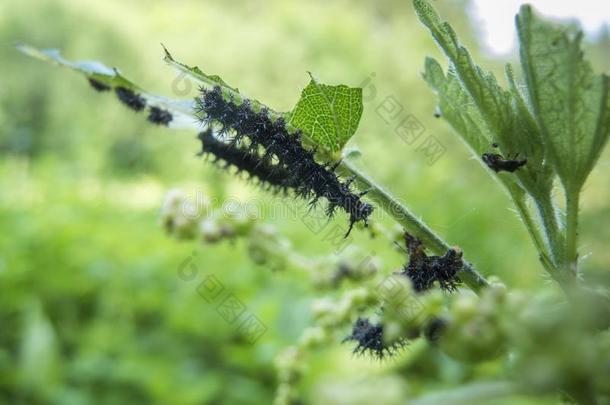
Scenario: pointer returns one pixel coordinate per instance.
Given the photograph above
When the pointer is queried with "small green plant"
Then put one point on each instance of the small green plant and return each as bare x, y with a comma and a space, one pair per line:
539, 138
558, 119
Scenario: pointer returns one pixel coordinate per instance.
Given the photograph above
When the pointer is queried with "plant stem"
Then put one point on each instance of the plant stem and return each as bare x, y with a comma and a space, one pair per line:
410, 222
548, 219
570, 263
532, 229
555, 256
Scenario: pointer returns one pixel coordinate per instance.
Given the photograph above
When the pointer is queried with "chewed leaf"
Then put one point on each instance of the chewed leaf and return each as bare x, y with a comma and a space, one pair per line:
337, 96
93, 69
329, 115
197, 74
229, 92
102, 77
570, 102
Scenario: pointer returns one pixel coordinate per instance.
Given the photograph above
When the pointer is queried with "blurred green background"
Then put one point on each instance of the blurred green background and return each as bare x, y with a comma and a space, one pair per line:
91, 307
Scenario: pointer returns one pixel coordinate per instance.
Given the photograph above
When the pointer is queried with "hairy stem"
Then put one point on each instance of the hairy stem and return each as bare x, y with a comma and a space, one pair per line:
535, 235
570, 262
548, 218
552, 248
410, 222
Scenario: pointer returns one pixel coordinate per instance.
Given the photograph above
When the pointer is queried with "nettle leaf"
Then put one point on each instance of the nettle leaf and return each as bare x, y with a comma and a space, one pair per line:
483, 112
492, 101
112, 78
457, 107
328, 115
571, 104
527, 134
206, 80
197, 74
527, 138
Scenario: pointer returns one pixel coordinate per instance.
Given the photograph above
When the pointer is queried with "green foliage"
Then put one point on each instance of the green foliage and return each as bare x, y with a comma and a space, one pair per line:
93, 309
480, 110
571, 103
457, 108
559, 122
492, 101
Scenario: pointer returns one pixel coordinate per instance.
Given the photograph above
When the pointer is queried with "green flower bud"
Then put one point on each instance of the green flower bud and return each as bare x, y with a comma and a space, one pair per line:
179, 215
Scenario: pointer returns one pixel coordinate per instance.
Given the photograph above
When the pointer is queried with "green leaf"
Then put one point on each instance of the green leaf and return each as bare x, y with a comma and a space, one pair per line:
526, 137
182, 110
197, 74
457, 108
329, 115
571, 104
492, 101
482, 112
527, 134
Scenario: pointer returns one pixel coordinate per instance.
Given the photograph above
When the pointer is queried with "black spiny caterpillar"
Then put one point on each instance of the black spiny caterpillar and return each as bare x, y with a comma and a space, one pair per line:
244, 161
136, 102
369, 340
307, 178
131, 99
424, 270
159, 116
99, 86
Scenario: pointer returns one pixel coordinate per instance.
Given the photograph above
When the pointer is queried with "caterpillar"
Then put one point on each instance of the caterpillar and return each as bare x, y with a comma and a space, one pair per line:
424, 270
306, 177
131, 99
136, 102
244, 161
160, 116
99, 86
369, 340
